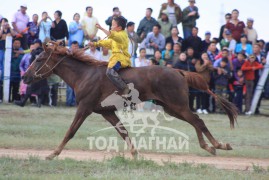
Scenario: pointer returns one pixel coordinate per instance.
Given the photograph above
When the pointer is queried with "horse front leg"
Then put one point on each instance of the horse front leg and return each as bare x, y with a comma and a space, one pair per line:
80, 116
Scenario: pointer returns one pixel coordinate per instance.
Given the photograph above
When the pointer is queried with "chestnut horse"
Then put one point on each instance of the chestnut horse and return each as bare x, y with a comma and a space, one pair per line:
168, 87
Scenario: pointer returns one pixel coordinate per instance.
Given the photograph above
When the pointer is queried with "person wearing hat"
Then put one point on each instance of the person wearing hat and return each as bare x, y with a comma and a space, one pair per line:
206, 42
190, 15
165, 24
19, 23
243, 46
173, 10
251, 33
228, 41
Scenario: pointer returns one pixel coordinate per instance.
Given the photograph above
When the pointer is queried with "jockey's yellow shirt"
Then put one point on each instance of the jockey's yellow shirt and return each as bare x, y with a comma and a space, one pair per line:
118, 42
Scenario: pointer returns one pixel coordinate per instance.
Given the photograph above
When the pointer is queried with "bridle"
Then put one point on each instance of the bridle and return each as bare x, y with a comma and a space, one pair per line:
36, 75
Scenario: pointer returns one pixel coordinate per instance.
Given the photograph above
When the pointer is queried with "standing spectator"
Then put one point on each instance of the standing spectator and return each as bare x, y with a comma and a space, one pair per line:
204, 68
133, 39
94, 52
238, 62
212, 51
70, 94
141, 60
243, 46
258, 53
154, 41
165, 24
195, 42
33, 30
59, 30
44, 27
146, 24
53, 82
176, 52
173, 10
190, 15
105, 54
221, 78
88, 23
249, 68
238, 86
174, 38
206, 42
251, 33
15, 77
167, 54
228, 17
236, 26
224, 54
182, 62
5, 31
228, 41
116, 13
19, 23
75, 31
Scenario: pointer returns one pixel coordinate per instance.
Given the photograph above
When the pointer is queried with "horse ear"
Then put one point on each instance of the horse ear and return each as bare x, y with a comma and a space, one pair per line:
45, 47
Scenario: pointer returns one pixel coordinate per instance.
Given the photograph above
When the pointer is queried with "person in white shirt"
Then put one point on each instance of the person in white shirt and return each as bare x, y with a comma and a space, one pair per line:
141, 60
105, 54
88, 23
92, 51
252, 34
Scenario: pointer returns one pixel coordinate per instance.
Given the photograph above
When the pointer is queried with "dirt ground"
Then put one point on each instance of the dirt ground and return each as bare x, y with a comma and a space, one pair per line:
230, 163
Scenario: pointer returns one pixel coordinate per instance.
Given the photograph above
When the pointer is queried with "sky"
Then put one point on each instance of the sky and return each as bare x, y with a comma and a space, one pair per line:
211, 11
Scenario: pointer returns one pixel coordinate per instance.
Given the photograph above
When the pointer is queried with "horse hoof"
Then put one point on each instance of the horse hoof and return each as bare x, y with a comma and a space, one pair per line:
134, 154
213, 151
229, 147
50, 157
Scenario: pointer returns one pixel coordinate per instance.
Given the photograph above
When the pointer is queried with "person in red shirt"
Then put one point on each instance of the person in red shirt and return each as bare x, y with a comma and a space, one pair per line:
235, 26
249, 68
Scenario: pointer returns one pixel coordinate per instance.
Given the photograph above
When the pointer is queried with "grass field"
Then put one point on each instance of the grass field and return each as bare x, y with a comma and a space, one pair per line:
44, 128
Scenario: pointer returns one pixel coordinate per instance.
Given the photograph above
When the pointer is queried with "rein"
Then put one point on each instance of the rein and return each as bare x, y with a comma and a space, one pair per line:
36, 75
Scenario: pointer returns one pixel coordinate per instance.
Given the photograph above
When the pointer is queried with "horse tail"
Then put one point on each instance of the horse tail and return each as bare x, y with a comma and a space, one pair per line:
196, 81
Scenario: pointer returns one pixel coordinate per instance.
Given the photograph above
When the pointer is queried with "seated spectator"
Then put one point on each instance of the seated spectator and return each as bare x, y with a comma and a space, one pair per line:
165, 24
167, 54
44, 27
190, 56
33, 30
94, 52
153, 62
207, 41
141, 60
203, 67
146, 24
174, 38
75, 31
235, 26
251, 33
88, 25
158, 58
154, 41
174, 11
195, 42
182, 62
176, 52
212, 51
238, 86
228, 17
243, 46
239, 61
15, 77
221, 77
249, 68
105, 54
228, 41
116, 13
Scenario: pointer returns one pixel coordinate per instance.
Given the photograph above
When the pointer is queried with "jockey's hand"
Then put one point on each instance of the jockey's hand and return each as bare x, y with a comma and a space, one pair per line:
98, 26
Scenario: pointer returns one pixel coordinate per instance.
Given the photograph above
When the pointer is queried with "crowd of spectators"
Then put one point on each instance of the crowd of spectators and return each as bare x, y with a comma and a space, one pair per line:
231, 64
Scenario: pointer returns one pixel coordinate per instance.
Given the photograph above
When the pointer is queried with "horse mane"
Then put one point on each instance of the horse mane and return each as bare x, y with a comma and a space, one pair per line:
78, 55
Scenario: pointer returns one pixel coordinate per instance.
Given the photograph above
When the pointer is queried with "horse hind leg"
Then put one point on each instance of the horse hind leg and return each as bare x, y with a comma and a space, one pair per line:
114, 121
199, 133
